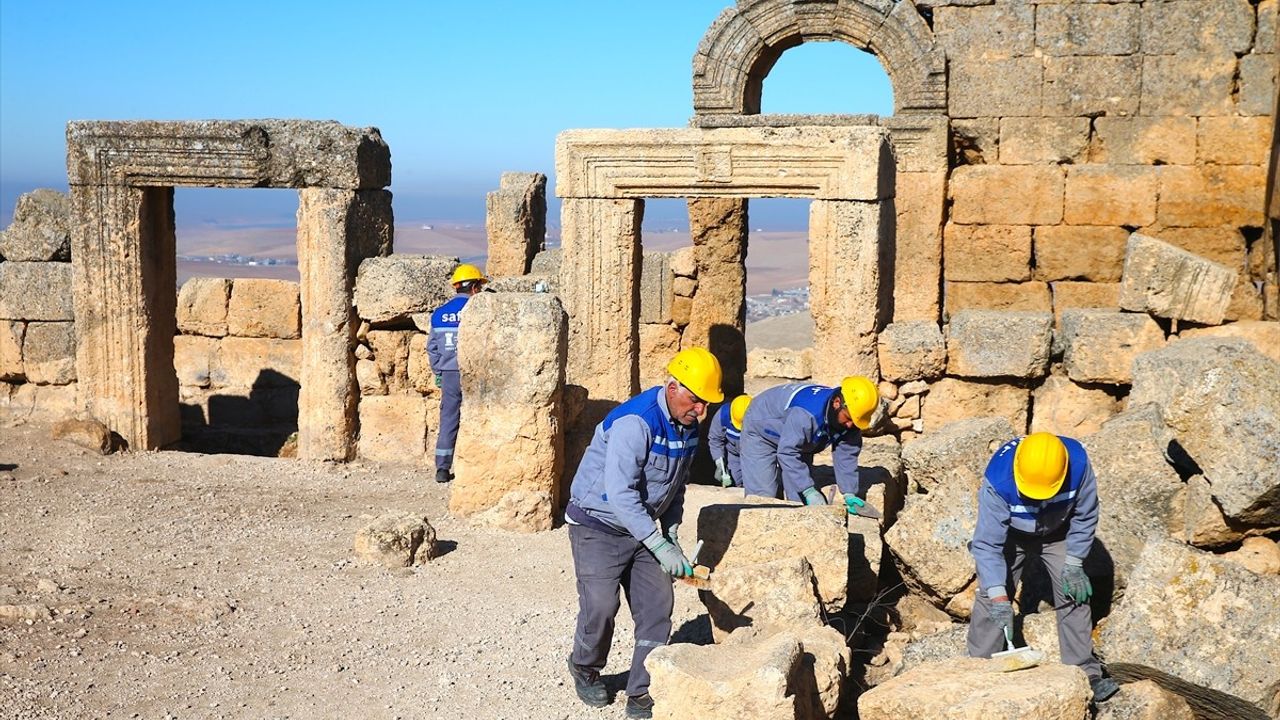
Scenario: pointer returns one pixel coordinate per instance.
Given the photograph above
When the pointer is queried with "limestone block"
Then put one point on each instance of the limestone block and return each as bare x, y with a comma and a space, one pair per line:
1258, 554
395, 287
1265, 335
89, 434
1013, 297
1068, 295
656, 292
192, 358
51, 403
737, 535
973, 687
919, 202
1224, 245
1008, 87
930, 541
420, 378
987, 253
955, 454
944, 645
994, 343
1006, 194
1233, 140
1063, 407
202, 306
262, 307
1107, 195
1144, 700
519, 511
684, 262
913, 350
1088, 29
1100, 345
391, 355
35, 291
1211, 195
824, 667
976, 140
393, 428
849, 295
1192, 27
41, 228
780, 363
1218, 395
1029, 141
11, 333
685, 287
1197, 520
1264, 39
1170, 282
515, 223
1086, 85
681, 311
1200, 621
773, 594
720, 682
1143, 140
546, 262
658, 344
256, 362
396, 540
1247, 303
369, 379
511, 355
1188, 83
1079, 252
49, 353
880, 470
1257, 84
717, 318
952, 399
987, 32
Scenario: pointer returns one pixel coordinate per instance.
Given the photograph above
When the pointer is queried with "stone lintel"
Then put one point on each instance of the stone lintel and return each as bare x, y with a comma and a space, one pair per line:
826, 163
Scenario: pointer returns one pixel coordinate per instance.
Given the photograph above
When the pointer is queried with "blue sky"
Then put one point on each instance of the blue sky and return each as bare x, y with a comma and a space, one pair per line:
461, 90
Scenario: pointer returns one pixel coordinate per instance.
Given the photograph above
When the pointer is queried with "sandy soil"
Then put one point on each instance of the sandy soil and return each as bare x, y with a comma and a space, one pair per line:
218, 586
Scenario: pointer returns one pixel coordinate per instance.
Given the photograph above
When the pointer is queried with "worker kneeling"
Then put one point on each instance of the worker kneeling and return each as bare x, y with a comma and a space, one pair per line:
1038, 498
624, 512
787, 424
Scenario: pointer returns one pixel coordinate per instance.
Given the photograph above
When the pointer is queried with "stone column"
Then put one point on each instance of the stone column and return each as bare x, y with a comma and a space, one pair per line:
920, 195
511, 355
516, 223
718, 319
336, 230
847, 290
124, 284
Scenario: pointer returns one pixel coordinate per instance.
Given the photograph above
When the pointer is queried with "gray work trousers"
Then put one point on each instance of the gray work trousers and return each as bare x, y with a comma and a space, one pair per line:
603, 562
761, 474
1075, 622
450, 417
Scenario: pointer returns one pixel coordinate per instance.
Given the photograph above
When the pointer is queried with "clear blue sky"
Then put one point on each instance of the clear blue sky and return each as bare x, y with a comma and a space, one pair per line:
461, 90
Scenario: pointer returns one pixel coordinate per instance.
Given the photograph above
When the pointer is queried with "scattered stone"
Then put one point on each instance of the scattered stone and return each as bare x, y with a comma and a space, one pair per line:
957, 453
1170, 282
824, 665
992, 343
1144, 700
393, 288
1063, 407
397, 540
1197, 520
976, 688
1259, 554
912, 351
40, 231
89, 434
780, 363
1100, 345
930, 541
24, 613
778, 593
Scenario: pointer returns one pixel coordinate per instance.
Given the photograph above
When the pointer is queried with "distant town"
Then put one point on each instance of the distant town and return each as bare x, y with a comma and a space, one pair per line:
777, 302
233, 259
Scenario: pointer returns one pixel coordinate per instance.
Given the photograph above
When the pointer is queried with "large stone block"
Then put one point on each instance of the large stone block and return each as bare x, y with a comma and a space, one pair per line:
987, 253
1264, 38
973, 688
993, 343
1194, 27
1224, 245
986, 32
780, 363
952, 399
1007, 194
1187, 83
976, 141
202, 306
49, 353
658, 344
920, 201
955, 454
1067, 295
1014, 297
1100, 345
720, 682
850, 297
1087, 85
1008, 87
41, 228
1107, 195
1211, 195
515, 223
1144, 140
656, 291
1233, 140
391, 357
264, 308
11, 333
1257, 84
1029, 141
256, 362
1202, 627
192, 358
717, 315
1170, 282
914, 350
1079, 252
1088, 29
1063, 407
930, 541
36, 291
395, 287
393, 428
1264, 335
774, 594
1219, 397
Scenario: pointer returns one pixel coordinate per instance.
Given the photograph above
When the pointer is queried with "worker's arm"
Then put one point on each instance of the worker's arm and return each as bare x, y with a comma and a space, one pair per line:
624, 460
716, 437
675, 511
1083, 522
433, 348
797, 432
989, 537
844, 456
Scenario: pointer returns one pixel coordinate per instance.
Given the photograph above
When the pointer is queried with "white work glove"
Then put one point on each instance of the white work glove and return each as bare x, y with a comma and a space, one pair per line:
722, 474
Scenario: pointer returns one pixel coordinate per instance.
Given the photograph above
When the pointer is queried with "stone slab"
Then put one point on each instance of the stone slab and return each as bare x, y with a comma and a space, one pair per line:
36, 291
1170, 282
994, 343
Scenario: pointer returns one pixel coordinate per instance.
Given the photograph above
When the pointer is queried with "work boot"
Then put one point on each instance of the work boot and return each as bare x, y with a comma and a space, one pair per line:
443, 476
640, 706
1103, 688
588, 686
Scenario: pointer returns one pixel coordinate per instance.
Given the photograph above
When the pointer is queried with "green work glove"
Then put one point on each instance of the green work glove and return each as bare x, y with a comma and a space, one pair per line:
853, 502
813, 496
722, 474
437, 379
668, 555
1001, 612
1075, 584
673, 534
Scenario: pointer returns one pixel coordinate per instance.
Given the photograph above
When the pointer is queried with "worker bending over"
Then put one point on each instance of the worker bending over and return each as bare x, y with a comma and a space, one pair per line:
723, 440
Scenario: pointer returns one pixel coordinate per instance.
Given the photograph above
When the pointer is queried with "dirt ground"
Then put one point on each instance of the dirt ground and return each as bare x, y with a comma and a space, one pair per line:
216, 586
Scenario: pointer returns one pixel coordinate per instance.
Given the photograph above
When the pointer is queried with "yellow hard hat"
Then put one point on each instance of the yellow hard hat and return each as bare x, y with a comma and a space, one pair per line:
697, 369
1040, 465
467, 273
738, 409
861, 397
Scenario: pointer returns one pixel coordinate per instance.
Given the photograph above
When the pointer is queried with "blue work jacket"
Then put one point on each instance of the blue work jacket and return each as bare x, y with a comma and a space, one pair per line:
793, 419
442, 345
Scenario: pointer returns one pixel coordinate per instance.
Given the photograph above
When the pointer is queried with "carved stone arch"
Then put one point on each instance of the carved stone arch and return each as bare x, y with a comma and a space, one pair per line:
744, 42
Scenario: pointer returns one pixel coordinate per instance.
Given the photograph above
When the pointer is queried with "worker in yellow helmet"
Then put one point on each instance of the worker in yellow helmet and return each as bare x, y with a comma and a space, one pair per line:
787, 424
625, 507
442, 352
1039, 498
723, 438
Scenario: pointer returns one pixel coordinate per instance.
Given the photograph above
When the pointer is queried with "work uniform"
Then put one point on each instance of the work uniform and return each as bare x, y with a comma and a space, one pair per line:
442, 352
723, 440
630, 483
1012, 527
783, 428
